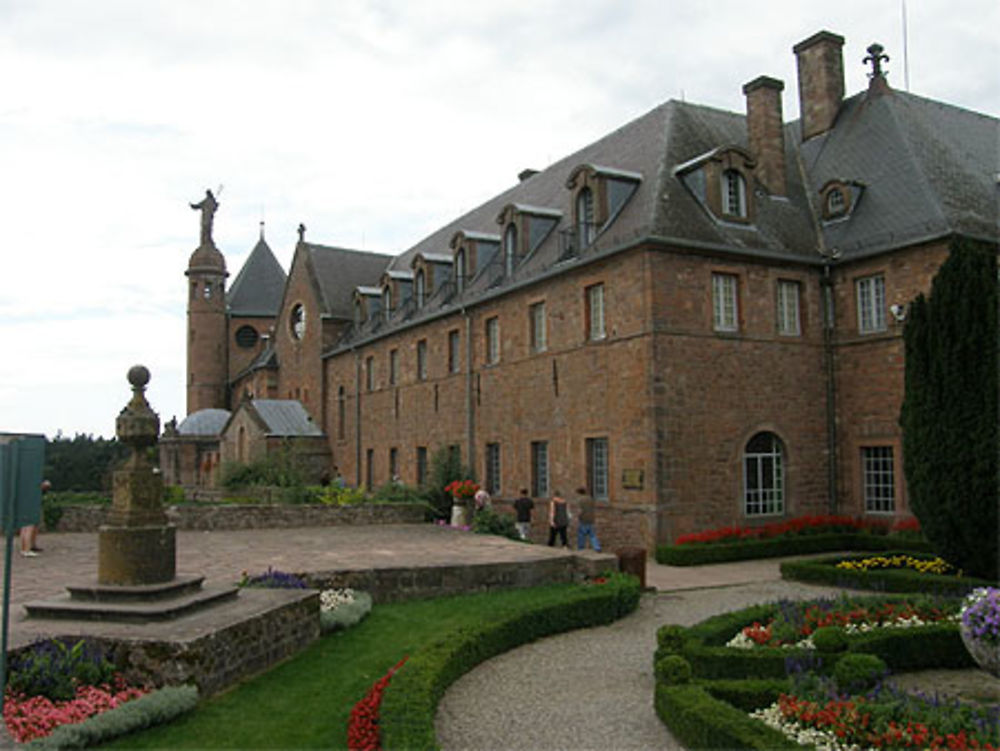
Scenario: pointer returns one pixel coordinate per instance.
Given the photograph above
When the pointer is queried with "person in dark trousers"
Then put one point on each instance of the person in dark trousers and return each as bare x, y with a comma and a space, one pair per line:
588, 517
558, 519
522, 511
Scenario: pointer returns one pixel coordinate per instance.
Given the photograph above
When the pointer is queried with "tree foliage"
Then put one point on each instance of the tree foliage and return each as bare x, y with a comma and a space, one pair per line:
82, 463
949, 415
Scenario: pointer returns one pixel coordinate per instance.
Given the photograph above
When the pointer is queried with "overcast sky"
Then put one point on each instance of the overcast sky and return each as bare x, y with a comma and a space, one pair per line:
374, 123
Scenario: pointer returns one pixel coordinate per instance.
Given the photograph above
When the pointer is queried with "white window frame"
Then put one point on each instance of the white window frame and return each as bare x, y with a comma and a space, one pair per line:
596, 329
422, 360
460, 270
725, 302
789, 323
878, 479
492, 473
871, 304
454, 351
492, 340
540, 469
764, 478
510, 248
585, 229
734, 193
420, 288
598, 468
537, 323
393, 367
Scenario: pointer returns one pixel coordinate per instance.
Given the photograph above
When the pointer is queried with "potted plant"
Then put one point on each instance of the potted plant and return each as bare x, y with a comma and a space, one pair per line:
462, 492
980, 628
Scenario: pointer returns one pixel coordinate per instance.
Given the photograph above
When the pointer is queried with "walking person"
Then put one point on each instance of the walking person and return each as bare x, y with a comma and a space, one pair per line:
558, 519
588, 518
522, 510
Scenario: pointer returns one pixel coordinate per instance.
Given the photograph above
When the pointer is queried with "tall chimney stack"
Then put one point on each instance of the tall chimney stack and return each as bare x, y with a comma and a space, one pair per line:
766, 132
821, 81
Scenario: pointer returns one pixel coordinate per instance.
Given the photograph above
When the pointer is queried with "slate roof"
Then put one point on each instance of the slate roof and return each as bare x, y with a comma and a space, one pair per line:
204, 422
339, 270
928, 169
284, 417
258, 288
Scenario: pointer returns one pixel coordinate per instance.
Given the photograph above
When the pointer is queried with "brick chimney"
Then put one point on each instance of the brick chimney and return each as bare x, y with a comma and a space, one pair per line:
765, 131
821, 81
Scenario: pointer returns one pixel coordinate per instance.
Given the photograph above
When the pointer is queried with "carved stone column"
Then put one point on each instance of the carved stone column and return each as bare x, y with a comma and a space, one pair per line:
137, 546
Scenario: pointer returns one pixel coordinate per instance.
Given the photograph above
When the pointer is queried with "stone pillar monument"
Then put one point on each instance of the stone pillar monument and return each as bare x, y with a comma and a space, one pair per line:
137, 546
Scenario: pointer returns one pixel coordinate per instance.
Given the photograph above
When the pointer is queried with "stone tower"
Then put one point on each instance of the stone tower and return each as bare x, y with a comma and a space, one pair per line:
207, 351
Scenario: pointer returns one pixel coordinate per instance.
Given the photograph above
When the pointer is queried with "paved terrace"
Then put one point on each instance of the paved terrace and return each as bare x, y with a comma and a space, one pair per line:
222, 556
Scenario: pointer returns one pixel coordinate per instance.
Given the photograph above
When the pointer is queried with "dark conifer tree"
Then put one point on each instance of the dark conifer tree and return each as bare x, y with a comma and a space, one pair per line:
951, 442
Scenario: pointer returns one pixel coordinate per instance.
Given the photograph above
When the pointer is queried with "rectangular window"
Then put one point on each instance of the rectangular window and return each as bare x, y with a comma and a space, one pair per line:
788, 308
454, 356
540, 469
370, 373
393, 367
421, 465
595, 312
492, 341
370, 468
597, 468
393, 464
493, 468
536, 314
871, 304
878, 479
725, 311
422, 360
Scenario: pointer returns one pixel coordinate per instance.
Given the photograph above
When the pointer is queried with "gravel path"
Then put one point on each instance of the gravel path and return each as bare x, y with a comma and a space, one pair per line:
587, 689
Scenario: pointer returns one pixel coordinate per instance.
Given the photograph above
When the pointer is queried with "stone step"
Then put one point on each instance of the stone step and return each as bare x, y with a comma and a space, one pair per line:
67, 608
179, 585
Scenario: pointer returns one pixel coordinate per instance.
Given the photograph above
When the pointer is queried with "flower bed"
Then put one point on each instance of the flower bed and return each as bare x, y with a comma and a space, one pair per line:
712, 708
895, 571
362, 730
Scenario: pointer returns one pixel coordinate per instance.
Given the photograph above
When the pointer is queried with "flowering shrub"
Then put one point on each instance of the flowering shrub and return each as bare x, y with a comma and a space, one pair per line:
796, 623
824, 523
461, 489
866, 722
362, 729
981, 614
273, 579
923, 565
30, 717
53, 668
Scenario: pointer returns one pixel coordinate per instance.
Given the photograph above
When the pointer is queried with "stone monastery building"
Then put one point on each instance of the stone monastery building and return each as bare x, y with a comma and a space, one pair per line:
698, 317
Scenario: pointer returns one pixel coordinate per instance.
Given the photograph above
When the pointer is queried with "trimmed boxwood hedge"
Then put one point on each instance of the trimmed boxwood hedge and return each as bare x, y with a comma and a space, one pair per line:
406, 716
825, 571
697, 554
712, 710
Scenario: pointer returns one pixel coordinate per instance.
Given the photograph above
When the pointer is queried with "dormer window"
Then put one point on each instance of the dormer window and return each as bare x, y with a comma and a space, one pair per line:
387, 302
509, 248
585, 228
838, 199
359, 313
460, 270
599, 194
420, 283
719, 179
734, 194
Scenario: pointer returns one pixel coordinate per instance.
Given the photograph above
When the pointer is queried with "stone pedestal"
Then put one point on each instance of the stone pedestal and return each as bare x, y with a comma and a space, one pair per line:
136, 555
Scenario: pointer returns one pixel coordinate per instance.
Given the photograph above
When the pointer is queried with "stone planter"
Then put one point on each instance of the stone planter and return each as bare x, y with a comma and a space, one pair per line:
986, 655
459, 513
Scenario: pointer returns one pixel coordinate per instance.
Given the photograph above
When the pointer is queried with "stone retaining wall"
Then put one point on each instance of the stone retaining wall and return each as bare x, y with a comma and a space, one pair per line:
396, 584
88, 518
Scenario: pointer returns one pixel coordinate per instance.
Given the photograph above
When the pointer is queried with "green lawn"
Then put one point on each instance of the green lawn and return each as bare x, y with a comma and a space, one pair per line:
306, 701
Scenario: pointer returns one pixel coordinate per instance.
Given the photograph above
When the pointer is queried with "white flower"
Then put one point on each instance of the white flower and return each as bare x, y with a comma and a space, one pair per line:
330, 599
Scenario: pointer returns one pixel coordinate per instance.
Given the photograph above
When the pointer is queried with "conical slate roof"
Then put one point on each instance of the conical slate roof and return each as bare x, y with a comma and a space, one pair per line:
258, 288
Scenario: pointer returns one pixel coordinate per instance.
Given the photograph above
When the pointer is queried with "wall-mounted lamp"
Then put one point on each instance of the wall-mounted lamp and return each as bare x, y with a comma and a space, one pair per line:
898, 312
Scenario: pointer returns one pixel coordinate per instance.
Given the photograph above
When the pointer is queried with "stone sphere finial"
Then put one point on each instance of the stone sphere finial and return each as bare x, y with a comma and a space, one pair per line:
138, 376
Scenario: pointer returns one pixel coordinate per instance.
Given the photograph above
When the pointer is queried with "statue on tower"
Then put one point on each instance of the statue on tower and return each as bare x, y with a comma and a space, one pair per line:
207, 206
